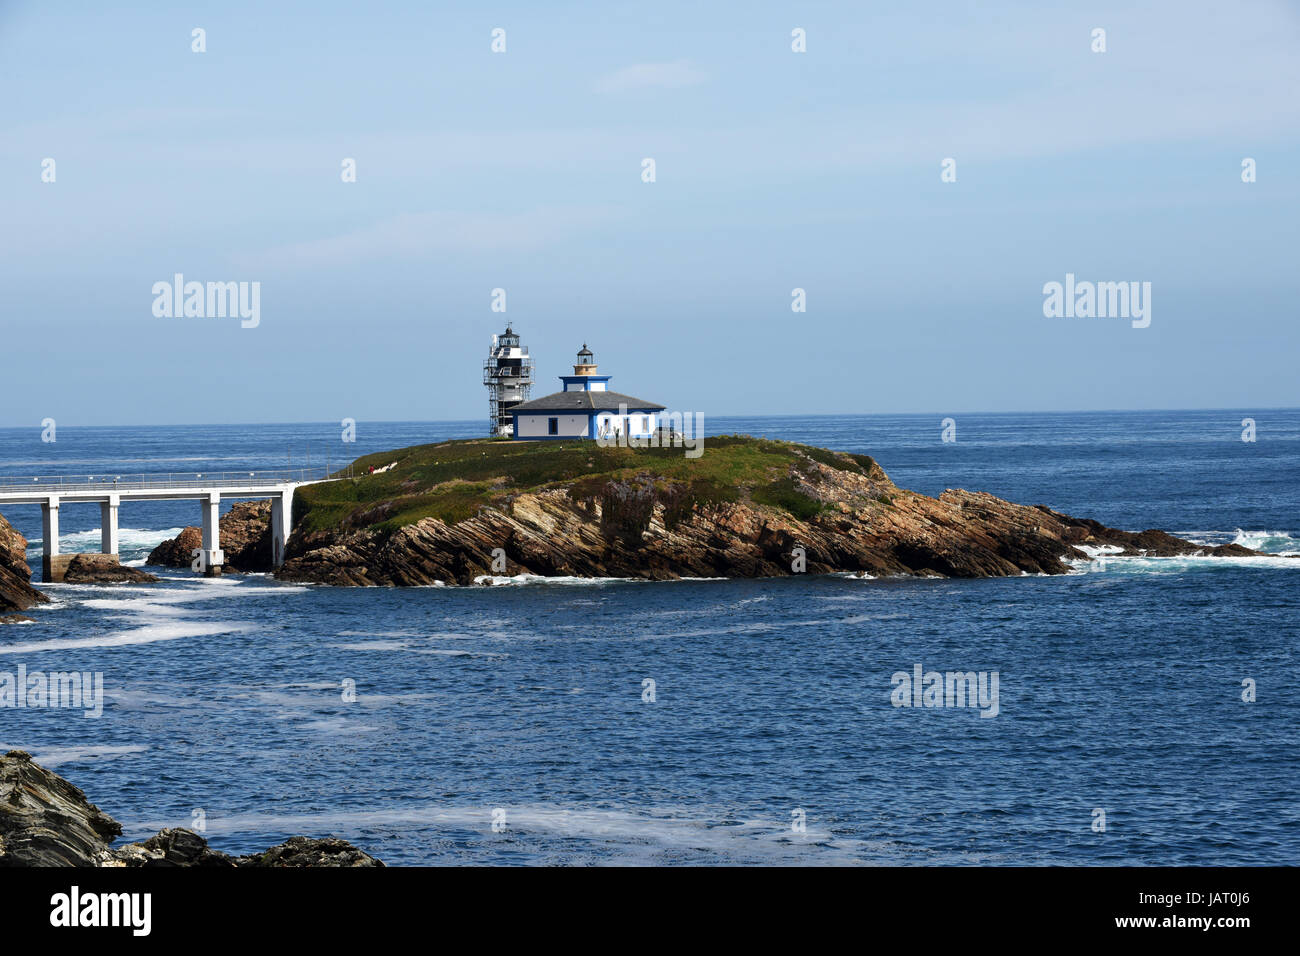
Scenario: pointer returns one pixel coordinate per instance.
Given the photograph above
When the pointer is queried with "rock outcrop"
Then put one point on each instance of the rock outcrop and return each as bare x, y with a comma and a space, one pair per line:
103, 569
171, 847
46, 821
177, 552
305, 851
16, 591
181, 847
244, 534
644, 525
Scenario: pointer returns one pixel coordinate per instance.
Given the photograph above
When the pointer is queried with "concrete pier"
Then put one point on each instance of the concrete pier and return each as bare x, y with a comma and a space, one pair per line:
50, 539
108, 524
281, 519
212, 557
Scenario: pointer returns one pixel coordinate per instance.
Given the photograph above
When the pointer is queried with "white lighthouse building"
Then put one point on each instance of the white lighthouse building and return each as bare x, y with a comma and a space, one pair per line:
584, 408
508, 374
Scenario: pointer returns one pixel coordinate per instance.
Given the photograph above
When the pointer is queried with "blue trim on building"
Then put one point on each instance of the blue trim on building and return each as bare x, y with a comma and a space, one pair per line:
584, 380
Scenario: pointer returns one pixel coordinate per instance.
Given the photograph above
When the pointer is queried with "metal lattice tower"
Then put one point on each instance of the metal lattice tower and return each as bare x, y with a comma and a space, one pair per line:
508, 374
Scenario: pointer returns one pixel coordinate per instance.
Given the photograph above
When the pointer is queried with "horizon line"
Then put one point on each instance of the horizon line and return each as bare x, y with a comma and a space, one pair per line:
458, 421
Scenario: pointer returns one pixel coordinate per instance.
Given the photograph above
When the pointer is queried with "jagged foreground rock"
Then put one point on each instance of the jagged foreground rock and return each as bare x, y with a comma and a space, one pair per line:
648, 521
16, 591
46, 821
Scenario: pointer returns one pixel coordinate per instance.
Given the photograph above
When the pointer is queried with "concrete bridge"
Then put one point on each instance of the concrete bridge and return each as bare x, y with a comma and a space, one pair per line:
110, 491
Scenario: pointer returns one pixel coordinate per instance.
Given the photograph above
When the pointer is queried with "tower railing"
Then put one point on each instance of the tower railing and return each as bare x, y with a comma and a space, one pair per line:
508, 376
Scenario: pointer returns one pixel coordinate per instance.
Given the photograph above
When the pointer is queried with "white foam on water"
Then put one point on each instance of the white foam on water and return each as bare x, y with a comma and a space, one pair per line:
1278, 547
493, 580
633, 832
338, 726
192, 590
455, 652
128, 540
60, 755
290, 701
158, 612
147, 700
162, 600
1141, 564
412, 648
277, 590
378, 634
366, 699
557, 690
376, 646
148, 634
1098, 550
431, 635
1272, 542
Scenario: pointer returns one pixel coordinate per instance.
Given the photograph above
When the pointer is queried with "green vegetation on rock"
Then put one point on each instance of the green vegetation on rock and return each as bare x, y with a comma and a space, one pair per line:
453, 480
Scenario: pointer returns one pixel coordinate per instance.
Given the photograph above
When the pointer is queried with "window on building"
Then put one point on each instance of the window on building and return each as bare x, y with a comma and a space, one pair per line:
552, 426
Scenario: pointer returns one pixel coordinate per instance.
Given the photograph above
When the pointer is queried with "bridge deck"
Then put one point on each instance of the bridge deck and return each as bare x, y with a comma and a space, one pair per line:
72, 488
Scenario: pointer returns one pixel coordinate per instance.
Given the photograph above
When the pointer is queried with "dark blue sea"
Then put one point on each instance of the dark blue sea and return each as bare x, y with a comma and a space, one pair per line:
771, 737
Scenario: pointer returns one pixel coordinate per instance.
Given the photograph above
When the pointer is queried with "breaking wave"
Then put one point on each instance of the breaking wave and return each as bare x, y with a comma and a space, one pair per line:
1272, 542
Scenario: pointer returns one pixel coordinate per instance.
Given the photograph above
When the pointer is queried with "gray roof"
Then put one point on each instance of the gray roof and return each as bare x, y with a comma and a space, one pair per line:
585, 401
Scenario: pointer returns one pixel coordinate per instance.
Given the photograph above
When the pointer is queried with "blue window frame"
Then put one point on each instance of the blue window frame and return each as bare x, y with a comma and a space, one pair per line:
552, 426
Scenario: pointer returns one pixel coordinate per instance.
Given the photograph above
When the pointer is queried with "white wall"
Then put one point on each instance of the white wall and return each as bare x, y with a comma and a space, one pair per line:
638, 423
534, 425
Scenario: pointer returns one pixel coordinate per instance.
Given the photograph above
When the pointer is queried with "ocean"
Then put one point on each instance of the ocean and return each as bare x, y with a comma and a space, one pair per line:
708, 721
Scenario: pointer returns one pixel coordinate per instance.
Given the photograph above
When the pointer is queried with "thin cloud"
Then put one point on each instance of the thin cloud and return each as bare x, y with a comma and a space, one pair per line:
415, 236
648, 76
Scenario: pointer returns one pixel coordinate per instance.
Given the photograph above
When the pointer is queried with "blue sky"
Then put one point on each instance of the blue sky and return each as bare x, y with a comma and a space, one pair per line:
522, 170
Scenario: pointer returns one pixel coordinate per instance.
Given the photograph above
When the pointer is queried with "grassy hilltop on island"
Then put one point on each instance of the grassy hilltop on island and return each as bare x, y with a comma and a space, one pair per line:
453, 480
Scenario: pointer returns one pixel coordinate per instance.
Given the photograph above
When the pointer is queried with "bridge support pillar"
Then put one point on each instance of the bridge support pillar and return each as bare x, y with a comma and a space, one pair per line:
108, 525
281, 520
50, 570
212, 557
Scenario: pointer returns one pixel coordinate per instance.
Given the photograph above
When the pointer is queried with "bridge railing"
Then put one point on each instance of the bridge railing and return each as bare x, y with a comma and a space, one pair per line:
107, 482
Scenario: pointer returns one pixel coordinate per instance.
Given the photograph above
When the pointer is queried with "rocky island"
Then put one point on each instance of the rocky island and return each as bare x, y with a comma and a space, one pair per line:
457, 512
443, 512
